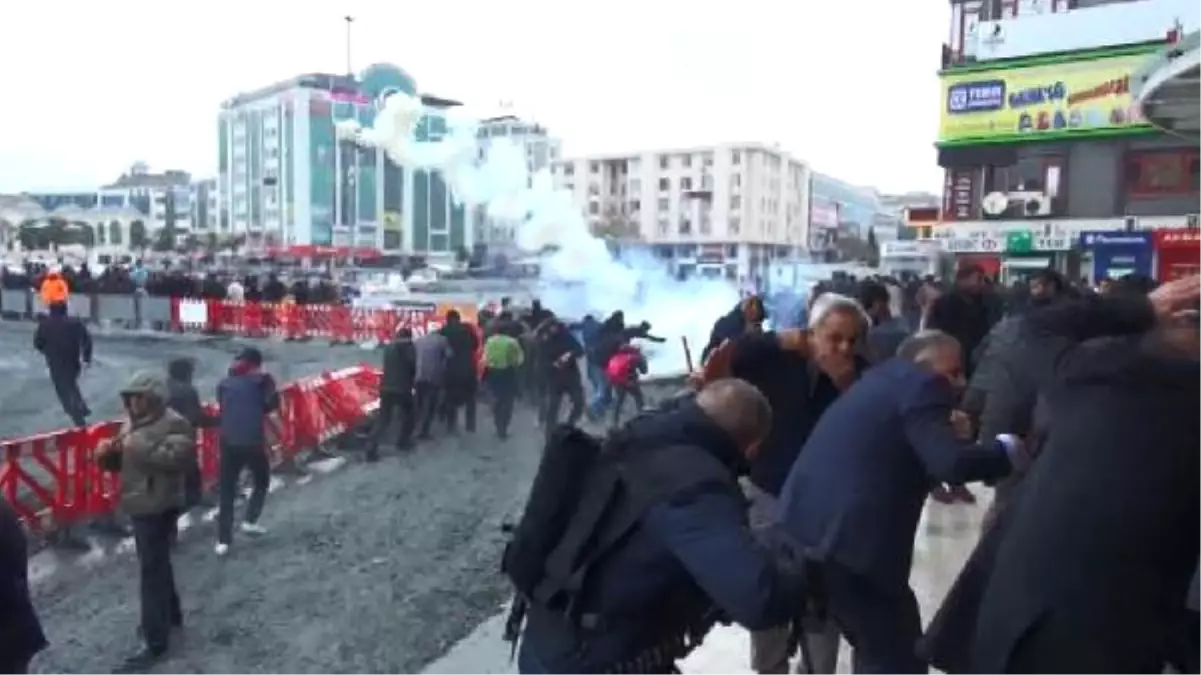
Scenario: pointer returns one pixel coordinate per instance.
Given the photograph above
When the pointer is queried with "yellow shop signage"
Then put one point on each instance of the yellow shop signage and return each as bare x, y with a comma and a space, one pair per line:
1041, 102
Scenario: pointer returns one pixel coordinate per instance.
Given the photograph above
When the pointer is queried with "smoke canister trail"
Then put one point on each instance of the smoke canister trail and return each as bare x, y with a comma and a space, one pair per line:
579, 275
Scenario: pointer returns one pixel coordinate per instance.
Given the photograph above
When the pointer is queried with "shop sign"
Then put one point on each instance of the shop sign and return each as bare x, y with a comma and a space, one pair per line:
1091, 240
1041, 102
984, 244
1177, 238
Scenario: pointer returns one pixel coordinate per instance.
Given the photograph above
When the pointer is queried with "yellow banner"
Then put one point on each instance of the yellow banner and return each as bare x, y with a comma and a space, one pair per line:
1040, 102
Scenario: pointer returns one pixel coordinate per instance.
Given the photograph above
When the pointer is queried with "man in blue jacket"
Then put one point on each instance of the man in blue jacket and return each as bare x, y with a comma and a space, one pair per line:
690, 553
246, 396
854, 497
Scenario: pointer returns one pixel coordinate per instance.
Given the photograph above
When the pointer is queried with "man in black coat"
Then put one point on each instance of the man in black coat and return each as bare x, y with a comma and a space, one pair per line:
462, 376
21, 634
67, 346
396, 392
1089, 567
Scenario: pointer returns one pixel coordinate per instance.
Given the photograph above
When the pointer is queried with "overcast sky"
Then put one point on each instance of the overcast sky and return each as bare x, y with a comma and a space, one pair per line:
90, 87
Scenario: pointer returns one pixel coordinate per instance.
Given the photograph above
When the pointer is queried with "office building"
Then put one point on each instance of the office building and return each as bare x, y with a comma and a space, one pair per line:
540, 150
285, 178
1042, 139
715, 211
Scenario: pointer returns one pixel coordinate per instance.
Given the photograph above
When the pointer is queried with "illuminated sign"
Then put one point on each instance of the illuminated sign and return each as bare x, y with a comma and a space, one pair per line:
1041, 102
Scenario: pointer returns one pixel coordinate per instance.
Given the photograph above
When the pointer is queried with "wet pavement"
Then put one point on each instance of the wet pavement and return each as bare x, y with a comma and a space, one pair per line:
944, 541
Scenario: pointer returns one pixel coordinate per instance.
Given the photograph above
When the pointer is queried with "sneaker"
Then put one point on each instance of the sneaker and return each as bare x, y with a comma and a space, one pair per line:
221, 549
140, 662
253, 529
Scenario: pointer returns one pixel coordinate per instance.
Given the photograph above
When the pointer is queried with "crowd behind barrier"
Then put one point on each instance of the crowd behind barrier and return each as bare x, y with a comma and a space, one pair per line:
70, 489
339, 323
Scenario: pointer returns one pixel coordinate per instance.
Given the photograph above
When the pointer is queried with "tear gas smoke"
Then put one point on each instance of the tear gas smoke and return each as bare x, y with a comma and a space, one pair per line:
580, 276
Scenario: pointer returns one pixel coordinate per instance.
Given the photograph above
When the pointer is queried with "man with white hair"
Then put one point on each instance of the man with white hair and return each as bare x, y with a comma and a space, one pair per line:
854, 497
801, 372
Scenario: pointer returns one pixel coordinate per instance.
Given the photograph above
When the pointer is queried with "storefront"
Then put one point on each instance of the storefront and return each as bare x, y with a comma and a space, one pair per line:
1117, 254
1177, 253
1026, 253
917, 257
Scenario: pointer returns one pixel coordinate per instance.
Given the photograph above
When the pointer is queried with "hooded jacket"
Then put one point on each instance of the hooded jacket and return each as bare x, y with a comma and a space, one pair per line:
54, 289
154, 450
246, 396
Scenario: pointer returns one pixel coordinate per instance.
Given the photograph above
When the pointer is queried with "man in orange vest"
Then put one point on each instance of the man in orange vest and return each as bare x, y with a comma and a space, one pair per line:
54, 289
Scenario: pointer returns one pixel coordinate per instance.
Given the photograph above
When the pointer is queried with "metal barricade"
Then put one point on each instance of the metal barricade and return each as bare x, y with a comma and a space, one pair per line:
80, 306
117, 310
154, 312
14, 303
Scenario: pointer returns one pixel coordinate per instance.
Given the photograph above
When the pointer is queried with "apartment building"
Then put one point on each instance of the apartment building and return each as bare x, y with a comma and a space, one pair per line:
713, 211
540, 150
1044, 144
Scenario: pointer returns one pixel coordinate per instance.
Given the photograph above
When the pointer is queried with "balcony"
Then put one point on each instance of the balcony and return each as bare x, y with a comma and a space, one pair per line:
1113, 25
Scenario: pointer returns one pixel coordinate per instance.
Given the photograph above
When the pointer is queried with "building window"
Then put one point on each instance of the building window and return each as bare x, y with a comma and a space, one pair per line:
686, 161
1163, 172
735, 157
594, 167
664, 204
685, 183
594, 208
635, 206
708, 159
664, 184
685, 226
735, 202
736, 180
735, 227
664, 161
663, 226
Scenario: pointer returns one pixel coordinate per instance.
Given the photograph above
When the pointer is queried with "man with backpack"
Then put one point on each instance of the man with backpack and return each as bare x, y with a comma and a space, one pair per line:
623, 372
629, 551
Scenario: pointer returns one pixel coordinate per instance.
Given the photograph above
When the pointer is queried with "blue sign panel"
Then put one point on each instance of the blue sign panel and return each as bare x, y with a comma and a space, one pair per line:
1116, 254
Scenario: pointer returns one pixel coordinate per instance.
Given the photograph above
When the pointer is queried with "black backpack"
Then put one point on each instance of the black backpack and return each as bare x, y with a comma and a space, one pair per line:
574, 490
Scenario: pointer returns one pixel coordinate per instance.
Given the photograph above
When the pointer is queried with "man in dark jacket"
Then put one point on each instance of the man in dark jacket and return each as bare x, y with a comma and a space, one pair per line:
801, 373
21, 634
462, 374
1095, 553
887, 332
183, 398
854, 497
67, 346
560, 370
688, 554
1012, 369
396, 391
747, 315
246, 396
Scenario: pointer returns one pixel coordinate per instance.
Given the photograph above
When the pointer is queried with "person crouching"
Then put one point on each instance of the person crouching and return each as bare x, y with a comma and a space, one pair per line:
246, 396
152, 451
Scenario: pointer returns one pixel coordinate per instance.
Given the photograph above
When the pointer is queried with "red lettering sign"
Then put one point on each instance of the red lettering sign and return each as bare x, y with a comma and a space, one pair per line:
1180, 238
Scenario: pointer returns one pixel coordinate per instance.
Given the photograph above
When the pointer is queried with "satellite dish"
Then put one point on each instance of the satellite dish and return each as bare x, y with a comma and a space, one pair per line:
995, 203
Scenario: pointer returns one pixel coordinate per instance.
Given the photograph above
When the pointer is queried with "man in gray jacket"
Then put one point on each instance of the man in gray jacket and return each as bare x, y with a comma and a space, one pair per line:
433, 353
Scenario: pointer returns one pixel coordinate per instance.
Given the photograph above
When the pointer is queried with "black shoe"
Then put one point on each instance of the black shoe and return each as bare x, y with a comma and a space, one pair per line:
141, 662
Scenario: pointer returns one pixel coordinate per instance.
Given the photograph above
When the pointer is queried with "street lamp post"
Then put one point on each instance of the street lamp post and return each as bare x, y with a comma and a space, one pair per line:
349, 22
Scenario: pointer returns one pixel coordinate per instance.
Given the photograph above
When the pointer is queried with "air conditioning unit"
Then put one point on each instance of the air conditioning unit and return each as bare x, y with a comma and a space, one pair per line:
1193, 221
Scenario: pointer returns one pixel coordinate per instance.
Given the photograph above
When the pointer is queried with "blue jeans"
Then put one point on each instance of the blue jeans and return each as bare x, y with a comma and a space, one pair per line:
602, 391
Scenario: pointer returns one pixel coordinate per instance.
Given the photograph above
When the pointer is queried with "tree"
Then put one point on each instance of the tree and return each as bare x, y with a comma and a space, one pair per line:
139, 240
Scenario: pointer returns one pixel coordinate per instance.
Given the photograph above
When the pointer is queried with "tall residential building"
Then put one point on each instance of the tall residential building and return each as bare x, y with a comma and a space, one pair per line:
1044, 145
286, 179
724, 210
839, 208
540, 150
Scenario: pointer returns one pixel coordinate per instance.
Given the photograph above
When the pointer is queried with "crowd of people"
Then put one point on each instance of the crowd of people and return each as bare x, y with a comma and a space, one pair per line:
784, 491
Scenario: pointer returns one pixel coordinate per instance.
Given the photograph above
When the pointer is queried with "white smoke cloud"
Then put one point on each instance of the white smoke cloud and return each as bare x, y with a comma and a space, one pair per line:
582, 276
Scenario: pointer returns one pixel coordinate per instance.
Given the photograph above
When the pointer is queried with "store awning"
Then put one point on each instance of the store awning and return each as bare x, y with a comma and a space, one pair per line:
1168, 87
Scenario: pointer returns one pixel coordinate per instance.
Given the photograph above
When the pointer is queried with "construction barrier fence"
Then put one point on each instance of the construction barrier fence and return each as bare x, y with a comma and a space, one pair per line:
53, 480
340, 324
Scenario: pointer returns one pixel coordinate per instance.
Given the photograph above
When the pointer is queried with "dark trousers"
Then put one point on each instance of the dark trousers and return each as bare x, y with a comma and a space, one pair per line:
460, 393
235, 458
503, 384
390, 405
152, 536
429, 396
556, 390
630, 390
882, 624
66, 387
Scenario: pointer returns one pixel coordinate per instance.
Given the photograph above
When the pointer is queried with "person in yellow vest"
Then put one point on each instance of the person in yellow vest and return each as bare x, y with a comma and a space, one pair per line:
54, 290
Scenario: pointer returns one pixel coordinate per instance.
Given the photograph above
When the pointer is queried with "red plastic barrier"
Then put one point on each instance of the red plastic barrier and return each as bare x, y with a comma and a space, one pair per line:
53, 481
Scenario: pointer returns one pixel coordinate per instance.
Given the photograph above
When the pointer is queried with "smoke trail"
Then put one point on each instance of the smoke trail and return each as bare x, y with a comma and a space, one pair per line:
581, 276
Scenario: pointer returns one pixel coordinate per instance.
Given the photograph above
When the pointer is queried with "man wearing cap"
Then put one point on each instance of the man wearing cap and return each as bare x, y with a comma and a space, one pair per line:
246, 396
152, 451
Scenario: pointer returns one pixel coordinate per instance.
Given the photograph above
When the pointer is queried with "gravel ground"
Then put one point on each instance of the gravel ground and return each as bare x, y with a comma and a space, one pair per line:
30, 406
373, 568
